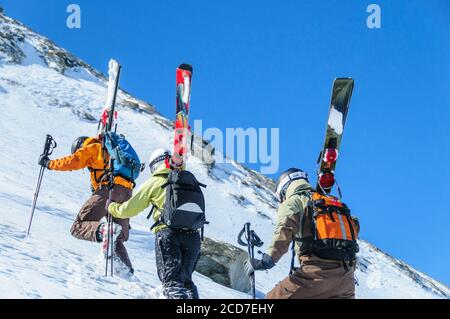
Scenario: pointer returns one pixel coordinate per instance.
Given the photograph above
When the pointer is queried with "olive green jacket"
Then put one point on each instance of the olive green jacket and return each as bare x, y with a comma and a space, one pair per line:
150, 193
288, 220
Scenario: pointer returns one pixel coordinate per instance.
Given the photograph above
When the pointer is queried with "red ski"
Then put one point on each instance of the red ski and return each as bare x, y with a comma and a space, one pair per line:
183, 98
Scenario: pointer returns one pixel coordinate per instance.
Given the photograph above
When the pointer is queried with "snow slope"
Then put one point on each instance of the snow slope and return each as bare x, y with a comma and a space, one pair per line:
44, 89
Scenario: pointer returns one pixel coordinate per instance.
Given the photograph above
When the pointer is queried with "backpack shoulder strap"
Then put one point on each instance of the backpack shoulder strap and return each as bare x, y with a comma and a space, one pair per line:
164, 175
151, 212
304, 191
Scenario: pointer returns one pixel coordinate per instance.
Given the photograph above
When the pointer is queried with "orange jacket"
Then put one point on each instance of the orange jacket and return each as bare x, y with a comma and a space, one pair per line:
90, 155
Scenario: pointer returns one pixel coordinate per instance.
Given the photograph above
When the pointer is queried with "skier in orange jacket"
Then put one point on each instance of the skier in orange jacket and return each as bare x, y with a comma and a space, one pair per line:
87, 152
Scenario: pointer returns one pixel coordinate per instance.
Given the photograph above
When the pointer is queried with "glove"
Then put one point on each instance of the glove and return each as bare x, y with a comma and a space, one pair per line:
44, 161
265, 263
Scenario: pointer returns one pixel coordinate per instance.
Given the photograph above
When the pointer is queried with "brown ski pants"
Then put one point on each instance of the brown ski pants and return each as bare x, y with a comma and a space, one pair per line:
93, 210
317, 279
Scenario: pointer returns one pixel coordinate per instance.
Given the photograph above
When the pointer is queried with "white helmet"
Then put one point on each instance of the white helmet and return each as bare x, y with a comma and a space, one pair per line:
158, 158
285, 180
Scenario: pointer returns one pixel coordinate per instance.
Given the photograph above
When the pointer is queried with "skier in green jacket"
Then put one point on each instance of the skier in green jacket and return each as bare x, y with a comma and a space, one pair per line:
176, 251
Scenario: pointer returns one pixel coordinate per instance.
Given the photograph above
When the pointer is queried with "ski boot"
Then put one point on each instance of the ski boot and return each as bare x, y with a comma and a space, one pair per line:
103, 234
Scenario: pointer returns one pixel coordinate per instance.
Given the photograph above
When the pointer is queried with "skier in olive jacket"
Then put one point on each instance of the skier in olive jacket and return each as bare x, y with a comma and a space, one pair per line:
316, 277
87, 152
176, 251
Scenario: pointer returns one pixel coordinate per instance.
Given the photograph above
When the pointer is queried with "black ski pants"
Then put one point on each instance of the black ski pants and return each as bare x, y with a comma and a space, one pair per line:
177, 253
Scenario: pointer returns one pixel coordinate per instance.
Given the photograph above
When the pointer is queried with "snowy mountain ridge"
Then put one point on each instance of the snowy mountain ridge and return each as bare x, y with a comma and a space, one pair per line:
45, 89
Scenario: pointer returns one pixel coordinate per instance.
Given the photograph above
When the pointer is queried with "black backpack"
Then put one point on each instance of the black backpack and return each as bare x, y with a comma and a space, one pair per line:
184, 208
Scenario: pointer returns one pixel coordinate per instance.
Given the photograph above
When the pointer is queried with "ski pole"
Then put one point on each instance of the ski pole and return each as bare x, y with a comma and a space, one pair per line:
111, 244
107, 247
110, 247
36, 194
50, 144
252, 240
251, 252
246, 230
111, 217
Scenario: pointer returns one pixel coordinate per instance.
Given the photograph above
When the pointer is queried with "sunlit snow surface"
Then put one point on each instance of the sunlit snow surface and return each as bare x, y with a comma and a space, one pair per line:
36, 100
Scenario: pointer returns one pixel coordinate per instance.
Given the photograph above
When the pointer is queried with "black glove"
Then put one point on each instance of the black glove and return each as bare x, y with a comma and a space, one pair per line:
265, 263
44, 161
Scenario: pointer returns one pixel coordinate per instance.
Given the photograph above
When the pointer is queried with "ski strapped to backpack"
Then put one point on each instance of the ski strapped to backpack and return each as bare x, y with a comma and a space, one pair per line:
184, 206
334, 230
105, 127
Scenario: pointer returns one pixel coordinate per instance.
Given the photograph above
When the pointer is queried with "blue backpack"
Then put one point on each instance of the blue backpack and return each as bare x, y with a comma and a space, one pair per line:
126, 161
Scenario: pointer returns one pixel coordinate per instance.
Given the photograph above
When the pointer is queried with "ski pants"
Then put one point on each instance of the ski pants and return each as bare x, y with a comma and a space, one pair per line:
93, 210
177, 253
317, 279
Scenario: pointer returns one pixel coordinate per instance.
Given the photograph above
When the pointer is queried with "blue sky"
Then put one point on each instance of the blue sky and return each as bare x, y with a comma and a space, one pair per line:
271, 64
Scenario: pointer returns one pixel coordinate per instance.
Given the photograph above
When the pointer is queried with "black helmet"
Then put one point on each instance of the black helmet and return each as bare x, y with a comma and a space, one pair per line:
285, 180
76, 145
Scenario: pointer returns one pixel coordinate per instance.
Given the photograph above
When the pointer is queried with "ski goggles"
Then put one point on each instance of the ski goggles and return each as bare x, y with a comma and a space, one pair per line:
158, 159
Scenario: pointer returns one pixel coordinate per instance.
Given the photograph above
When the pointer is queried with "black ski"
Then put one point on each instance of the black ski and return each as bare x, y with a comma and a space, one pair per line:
340, 102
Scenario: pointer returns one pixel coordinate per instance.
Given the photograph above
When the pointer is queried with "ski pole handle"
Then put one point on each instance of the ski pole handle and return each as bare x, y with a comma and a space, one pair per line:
50, 145
240, 241
255, 240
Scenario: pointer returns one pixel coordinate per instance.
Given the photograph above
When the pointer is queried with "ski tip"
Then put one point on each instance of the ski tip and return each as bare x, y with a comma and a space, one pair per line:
349, 80
186, 67
113, 62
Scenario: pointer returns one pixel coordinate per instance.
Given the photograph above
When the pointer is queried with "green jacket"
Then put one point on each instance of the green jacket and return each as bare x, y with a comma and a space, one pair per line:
288, 220
150, 193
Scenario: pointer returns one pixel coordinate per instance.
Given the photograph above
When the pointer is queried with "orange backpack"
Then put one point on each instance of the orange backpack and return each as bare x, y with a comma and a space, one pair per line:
333, 219
335, 231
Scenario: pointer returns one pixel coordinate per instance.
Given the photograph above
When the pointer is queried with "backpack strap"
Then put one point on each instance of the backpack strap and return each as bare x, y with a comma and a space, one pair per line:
350, 225
99, 179
293, 258
165, 175
158, 222
304, 191
151, 212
